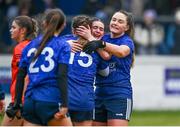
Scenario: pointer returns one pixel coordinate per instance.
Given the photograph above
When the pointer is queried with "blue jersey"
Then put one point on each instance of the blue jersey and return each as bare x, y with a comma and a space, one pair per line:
68, 37
81, 74
43, 71
117, 84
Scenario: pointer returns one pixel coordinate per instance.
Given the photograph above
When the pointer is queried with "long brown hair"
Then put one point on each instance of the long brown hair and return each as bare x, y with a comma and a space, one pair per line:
30, 24
81, 20
54, 20
130, 31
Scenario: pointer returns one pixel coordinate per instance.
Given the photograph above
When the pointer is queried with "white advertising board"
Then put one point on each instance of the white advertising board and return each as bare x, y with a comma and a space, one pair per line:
155, 79
156, 82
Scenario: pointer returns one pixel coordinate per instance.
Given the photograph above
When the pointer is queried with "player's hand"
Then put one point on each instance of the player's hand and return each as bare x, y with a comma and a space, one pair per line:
75, 47
93, 46
62, 113
85, 32
14, 111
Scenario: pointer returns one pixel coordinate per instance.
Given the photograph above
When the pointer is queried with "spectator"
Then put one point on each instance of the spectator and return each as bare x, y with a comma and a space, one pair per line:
96, 4
173, 39
5, 41
148, 35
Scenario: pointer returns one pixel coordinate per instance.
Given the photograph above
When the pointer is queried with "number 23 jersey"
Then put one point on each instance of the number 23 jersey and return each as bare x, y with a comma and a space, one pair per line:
43, 71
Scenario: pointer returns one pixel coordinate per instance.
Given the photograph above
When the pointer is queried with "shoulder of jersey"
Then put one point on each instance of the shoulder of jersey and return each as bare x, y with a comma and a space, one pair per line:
68, 36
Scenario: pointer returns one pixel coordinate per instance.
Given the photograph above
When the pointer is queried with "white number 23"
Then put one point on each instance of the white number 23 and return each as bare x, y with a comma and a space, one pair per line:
48, 58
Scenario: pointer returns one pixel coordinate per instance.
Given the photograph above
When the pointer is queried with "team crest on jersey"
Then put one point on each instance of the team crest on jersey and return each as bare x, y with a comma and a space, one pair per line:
112, 66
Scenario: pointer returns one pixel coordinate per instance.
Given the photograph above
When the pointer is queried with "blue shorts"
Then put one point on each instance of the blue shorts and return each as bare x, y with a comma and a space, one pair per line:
80, 116
39, 112
113, 109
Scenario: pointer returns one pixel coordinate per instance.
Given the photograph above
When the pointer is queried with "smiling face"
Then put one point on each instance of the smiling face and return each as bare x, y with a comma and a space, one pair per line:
97, 29
118, 24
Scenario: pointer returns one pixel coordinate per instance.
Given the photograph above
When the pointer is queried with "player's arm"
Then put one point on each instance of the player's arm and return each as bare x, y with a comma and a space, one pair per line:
62, 83
104, 54
75, 47
20, 85
15, 109
116, 50
86, 33
119, 51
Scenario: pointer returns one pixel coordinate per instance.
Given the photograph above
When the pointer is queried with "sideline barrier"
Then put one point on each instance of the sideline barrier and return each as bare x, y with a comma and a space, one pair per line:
155, 79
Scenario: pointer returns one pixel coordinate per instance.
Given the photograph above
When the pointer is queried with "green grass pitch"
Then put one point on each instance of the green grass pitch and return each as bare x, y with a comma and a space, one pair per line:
152, 118
155, 118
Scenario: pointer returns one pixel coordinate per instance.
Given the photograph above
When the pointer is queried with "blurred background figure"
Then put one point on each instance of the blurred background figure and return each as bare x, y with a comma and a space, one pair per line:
149, 34
173, 35
8, 10
102, 9
2, 101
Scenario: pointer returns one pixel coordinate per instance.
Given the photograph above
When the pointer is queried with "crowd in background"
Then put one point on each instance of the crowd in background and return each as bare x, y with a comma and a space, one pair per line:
157, 26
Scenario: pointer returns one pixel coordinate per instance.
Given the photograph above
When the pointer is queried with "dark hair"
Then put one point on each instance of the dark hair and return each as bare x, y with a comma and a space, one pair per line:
130, 31
130, 22
80, 20
93, 19
54, 20
30, 24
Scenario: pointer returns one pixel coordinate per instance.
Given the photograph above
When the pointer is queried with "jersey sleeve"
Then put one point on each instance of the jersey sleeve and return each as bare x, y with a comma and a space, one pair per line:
128, 42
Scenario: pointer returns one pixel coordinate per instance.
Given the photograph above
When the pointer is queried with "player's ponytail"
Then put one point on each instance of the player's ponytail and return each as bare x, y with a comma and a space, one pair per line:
130, 31
34, 29
54, 21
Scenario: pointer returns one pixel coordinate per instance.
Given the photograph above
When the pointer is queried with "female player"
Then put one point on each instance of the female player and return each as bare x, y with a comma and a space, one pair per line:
82, 70
23, 30
114, 93
45, 60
